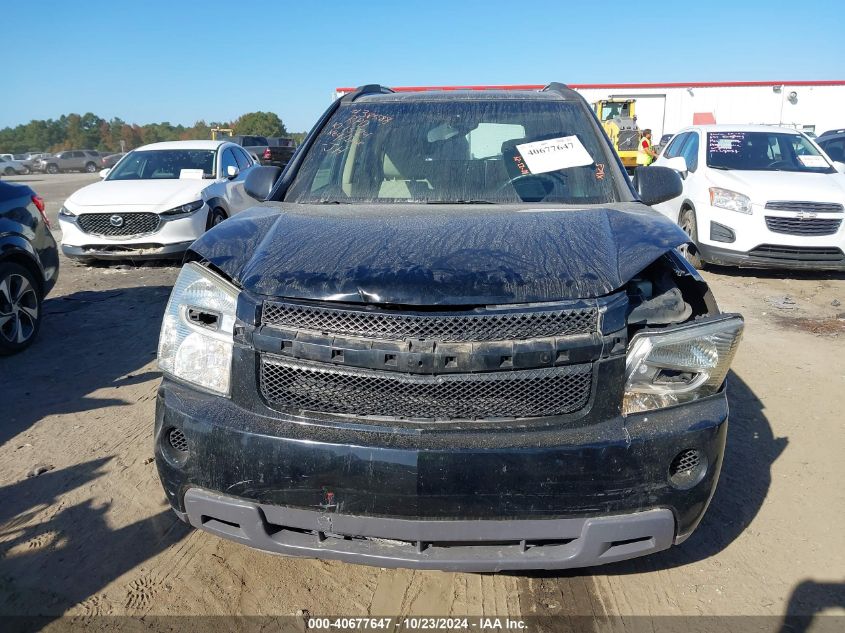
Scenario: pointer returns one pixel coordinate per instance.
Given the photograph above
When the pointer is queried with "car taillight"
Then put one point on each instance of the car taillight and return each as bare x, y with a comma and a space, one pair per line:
267, 154
38, 201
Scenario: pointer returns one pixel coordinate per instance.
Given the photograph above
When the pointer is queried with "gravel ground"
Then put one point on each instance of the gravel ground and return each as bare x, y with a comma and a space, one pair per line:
92, 534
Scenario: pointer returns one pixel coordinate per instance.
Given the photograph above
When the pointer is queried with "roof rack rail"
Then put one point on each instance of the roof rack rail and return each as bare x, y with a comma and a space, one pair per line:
367, 89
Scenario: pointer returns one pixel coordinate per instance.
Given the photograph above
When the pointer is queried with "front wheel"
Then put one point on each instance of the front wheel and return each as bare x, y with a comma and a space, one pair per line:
8, 171
90, 168
20, 308
689, 224
52, 169
215, 217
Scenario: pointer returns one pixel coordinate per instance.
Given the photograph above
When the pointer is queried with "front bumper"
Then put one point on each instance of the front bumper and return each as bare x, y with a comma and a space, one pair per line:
538, 498
477, 546
775, 257
126, 251
755, 245
169, 241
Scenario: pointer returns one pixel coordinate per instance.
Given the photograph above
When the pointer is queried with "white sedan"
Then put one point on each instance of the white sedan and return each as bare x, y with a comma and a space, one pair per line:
757, 196
156, 201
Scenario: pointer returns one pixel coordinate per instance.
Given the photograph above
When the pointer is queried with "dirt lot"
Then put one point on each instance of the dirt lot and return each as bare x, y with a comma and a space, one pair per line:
93, 534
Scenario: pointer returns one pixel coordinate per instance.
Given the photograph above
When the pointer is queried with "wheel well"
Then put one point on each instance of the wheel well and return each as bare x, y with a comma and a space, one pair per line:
686, 205
21, 259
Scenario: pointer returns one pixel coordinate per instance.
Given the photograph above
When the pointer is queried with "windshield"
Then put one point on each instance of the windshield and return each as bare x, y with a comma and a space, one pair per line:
163, 164
764, 151
459, 152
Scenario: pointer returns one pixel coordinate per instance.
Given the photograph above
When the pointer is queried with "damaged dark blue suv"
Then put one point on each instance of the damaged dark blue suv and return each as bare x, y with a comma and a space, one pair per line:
452, 336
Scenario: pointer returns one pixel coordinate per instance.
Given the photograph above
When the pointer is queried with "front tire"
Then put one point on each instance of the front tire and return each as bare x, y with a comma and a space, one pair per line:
20, 308
689, 224
90, 168
215, 217
8, 171
52, 169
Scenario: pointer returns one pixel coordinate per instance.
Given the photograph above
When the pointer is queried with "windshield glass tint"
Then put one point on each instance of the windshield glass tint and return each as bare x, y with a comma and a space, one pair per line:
458, 151
163, 164
764, 151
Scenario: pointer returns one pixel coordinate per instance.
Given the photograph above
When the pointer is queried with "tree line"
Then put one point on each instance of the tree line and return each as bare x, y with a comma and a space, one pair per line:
89, 131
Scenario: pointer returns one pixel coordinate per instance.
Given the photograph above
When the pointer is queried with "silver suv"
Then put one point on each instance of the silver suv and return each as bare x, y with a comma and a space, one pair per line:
71, 160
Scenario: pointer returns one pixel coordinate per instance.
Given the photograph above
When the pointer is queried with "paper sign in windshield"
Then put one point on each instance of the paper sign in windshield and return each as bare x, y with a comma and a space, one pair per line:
191, 174
813, 161
553, 154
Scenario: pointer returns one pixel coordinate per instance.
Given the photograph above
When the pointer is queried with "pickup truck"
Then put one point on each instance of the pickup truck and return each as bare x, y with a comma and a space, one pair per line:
452, 334
274, 151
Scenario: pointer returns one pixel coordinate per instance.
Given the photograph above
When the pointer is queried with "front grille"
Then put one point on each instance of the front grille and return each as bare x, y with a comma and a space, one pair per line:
803, 226
803, 253
462, 327
307, 386
807, 207
130, 224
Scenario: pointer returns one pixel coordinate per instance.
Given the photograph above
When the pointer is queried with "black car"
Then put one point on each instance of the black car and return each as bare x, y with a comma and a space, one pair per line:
455, 337
29, 265
833, 144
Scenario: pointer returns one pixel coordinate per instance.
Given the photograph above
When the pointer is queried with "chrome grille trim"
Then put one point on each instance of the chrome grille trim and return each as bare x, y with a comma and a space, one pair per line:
134, 224
807, 207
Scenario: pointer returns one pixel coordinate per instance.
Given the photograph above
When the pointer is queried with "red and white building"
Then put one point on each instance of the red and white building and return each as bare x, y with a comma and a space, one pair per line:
813, 106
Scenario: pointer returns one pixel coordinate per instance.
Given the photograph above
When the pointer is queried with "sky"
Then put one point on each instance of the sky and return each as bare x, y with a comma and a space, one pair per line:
181, 61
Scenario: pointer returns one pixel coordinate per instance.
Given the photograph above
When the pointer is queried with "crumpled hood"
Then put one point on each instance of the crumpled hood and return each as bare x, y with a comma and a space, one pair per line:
763, 186
437, 255
165, 194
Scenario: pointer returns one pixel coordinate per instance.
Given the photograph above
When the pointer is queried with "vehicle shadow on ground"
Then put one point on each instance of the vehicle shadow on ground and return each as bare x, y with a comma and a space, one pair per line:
743, 486
71, 550
807, 601
90, 340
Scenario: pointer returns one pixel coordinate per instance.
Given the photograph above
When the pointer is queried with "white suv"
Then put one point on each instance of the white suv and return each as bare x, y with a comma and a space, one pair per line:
757, 196
156, 201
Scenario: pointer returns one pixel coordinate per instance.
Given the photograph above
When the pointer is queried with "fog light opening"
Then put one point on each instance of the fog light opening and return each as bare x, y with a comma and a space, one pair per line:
687, 468
175, 446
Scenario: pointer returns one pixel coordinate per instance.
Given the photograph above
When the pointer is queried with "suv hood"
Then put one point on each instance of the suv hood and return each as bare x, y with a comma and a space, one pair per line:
762, 186
437, 255
143, 193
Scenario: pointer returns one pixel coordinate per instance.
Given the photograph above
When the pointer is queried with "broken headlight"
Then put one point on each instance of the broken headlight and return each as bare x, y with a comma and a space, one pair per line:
196, 335
681, 364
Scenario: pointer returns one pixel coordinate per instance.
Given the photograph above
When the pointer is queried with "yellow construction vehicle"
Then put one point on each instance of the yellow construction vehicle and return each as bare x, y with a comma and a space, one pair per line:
222, 132
619, 121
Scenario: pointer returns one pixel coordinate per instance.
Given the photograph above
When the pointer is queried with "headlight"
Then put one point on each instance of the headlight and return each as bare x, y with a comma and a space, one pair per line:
196, 334
730, 200
65, 213
184, 209
679, 365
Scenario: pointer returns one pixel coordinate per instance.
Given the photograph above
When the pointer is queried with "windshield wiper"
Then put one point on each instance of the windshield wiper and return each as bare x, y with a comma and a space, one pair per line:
459, 202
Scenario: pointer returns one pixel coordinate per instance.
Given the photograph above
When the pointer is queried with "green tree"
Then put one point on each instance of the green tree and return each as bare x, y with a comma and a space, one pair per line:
260, 123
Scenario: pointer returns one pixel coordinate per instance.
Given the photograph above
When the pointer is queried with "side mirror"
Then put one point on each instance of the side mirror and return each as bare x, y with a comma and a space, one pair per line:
260, 180
232, 172
104, 172
679, 164
839, 166
658, 184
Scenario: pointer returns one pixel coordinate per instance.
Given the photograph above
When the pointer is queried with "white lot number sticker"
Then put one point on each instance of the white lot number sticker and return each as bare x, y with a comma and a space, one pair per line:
553, 154
813, 161
190, 174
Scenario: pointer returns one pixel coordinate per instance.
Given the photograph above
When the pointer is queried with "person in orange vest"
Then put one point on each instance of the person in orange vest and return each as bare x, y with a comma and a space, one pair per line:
646, 154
